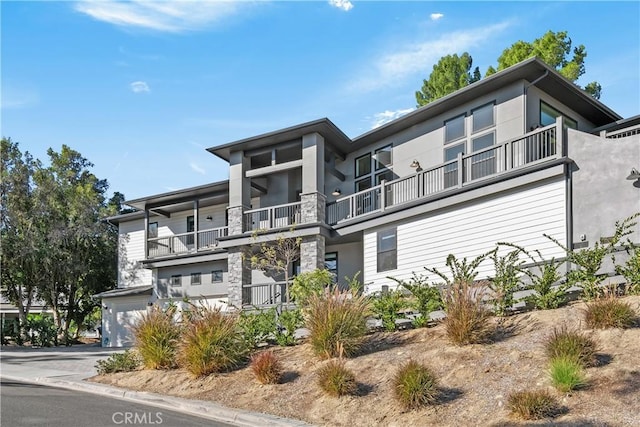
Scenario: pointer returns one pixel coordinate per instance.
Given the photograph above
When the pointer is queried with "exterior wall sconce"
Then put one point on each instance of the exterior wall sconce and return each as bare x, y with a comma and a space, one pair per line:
336, 192
634, 175
415, 165
209, 218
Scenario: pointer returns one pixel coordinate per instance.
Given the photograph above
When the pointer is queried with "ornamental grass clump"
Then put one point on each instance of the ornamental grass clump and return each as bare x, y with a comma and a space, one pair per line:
467, 321
415, 385
118, 362
533, 405
336, 380
609, 312
156, 338
212, 342
571, 344
266, 367
566, 374
337, 323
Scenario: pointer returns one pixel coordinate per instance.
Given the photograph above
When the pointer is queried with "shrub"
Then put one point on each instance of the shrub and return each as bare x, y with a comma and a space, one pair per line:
631, 270
533, 405
462, 271
211, 342
266, 367
288, 322
156, 338
118, 362
386, 305
257, 327
42, 330
426, 298
609, 312
571, 344
310, 283
415, 385
506, 281
566, 374
337, 322
336, 380
467, 320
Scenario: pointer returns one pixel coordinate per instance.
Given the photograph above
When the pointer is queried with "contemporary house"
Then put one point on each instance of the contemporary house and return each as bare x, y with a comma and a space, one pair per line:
518, 154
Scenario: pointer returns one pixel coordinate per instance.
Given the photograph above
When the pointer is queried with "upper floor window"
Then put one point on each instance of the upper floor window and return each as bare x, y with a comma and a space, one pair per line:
190, 229
216, 276
176, 280
548, 116
383, 157
454, 129
363, 165
482, 117
153, 230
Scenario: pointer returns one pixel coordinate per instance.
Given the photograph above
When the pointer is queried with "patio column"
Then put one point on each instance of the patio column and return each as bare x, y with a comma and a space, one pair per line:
313, 200
239, 271
239, 191
312, 251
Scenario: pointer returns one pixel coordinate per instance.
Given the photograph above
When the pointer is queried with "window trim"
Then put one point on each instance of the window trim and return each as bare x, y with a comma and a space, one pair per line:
377, 165
194, 275
560, 113
493, 116
464, 128
213, 276
380, 235
356, 173
367, 178
176, 278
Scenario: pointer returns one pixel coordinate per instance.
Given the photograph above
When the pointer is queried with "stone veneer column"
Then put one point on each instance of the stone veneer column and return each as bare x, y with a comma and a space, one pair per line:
239, 274
235, 217
313, 207
312, 253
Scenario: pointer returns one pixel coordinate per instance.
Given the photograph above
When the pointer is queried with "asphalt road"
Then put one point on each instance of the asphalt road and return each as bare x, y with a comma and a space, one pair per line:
29, 405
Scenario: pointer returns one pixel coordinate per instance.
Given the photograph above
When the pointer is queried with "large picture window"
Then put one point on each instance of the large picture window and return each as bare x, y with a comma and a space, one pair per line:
383, 158
483, 164
548, 116
387, 250
454, 129
482, 117
363, 165
451, 170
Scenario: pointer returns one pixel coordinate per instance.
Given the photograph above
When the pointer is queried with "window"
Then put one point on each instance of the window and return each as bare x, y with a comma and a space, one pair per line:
548, 116
363, 184
190, 229
451, 170
387, 250
176, 280
482, 117
216, 276
153, 230
383, 157
454, 129
363, 165
387, 175
195, 279
331, 264
152, 233
483, 164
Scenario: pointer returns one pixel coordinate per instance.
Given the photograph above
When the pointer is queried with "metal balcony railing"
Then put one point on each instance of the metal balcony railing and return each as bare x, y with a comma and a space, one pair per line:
177, 244
279, 216
539, 145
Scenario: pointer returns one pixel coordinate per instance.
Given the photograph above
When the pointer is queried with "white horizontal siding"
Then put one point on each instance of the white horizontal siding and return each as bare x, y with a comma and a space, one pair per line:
130, 253
471, 229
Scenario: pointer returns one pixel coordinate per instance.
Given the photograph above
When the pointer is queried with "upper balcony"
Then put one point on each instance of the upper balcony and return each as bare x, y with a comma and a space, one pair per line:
541, 145
185, 243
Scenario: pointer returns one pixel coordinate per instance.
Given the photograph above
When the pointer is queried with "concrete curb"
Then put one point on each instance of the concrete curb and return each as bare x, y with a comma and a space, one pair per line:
199, 408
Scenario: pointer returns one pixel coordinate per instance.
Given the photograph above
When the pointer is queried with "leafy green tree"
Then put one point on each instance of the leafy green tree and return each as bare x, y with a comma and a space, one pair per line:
452, 72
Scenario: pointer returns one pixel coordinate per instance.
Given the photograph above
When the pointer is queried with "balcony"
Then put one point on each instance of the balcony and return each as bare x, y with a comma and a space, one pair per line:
280, 216
535, 147
185, 243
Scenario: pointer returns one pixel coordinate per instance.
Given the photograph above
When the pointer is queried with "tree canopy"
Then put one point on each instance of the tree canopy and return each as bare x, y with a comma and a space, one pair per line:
554, 48
55, 247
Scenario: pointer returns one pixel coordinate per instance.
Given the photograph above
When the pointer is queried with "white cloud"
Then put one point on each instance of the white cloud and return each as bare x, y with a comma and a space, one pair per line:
167, 16
345, 5
140, 87
402, 62
436, 16
386, 116
196, 168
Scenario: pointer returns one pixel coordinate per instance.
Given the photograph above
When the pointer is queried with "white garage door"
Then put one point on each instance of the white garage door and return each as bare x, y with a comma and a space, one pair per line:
117, 332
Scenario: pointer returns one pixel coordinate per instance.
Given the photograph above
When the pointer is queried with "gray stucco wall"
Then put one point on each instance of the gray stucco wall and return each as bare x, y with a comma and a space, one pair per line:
601, 193
350, 257
206, 286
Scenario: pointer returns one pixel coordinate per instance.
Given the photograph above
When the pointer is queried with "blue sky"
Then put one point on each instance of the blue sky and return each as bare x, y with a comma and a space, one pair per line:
142, 88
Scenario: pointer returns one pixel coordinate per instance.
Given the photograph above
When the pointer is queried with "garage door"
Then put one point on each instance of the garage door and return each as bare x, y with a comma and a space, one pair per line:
123, 316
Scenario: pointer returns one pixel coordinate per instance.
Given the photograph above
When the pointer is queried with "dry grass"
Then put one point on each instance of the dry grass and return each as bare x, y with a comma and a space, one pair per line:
415, 385
609, 312
156, 339
467, 320
571, 344
266, 367
532, 405
336, 380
